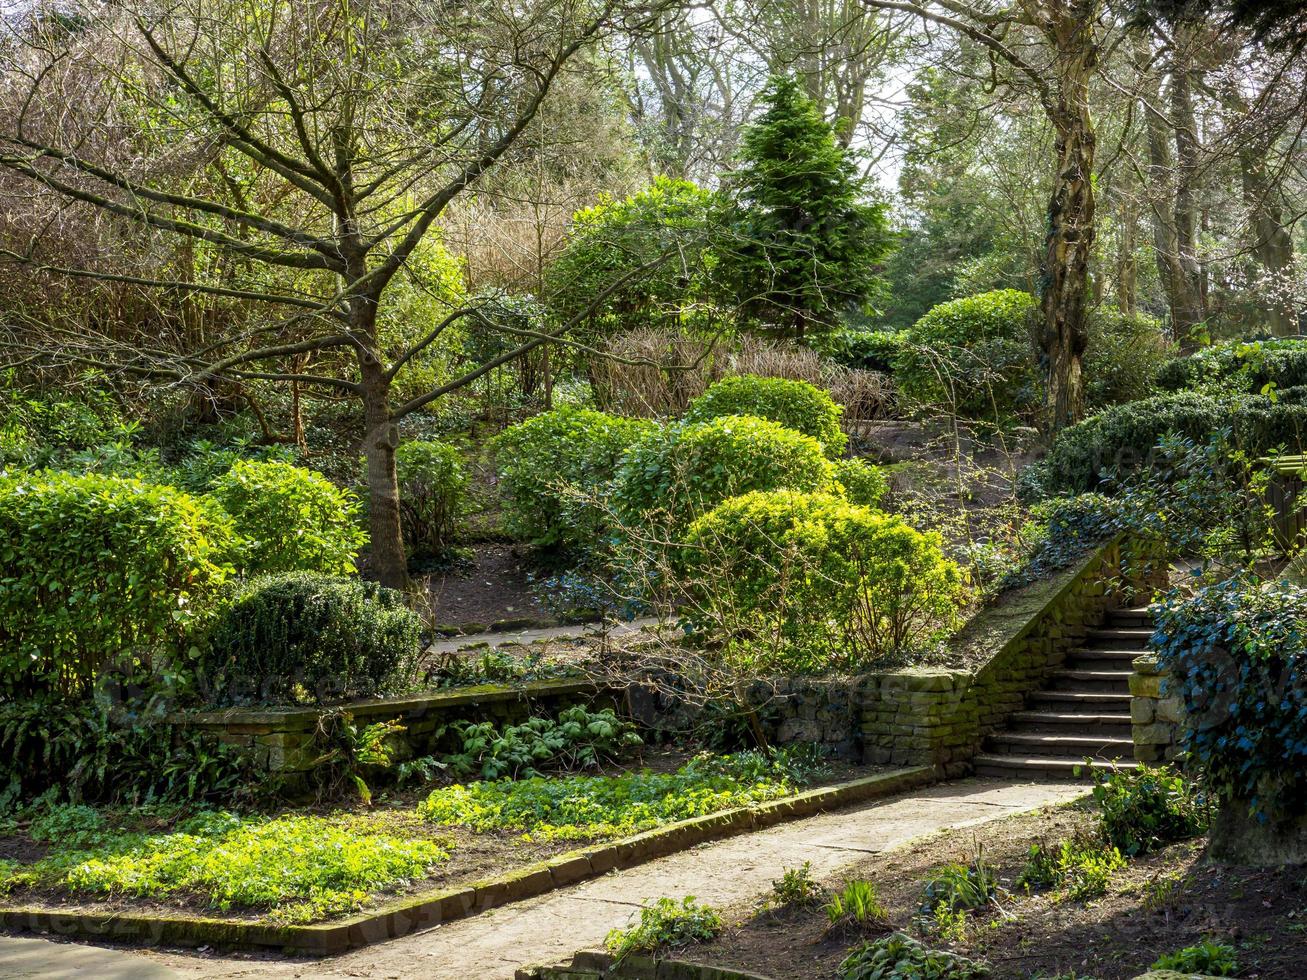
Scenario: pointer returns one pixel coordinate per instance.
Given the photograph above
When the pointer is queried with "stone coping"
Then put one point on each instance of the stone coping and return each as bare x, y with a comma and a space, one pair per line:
412, 913
409, 704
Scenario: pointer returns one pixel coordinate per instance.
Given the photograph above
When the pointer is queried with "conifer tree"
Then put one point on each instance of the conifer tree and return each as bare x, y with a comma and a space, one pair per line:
800, 244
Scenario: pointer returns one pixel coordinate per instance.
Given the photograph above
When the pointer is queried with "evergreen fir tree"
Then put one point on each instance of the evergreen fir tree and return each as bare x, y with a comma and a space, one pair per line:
800, 245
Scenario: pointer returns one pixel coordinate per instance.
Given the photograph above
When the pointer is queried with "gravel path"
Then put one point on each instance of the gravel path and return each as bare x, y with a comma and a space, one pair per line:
732, 874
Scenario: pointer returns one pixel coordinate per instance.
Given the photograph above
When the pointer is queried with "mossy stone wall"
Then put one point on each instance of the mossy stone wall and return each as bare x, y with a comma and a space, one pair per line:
1156, 716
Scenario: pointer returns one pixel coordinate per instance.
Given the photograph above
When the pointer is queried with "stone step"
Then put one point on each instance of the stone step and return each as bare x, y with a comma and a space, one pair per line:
1130, 618
1043, 744
1104, 637
1123, 658
1091, 702
1081, 721
1090, 681
1028, 767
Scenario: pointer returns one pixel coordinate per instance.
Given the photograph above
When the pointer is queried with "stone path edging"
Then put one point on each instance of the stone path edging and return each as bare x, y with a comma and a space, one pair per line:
414, 913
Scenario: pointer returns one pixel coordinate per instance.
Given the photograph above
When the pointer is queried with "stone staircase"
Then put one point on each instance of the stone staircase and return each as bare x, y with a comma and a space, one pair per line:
1083, 713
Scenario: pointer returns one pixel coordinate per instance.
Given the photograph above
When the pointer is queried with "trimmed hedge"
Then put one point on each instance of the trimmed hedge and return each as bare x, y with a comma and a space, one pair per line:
1248, 366
305, 636
97, 569
796, 405
973, 355
552, 466
837, 584
1236, 653
293, 519
862, 483
678, 473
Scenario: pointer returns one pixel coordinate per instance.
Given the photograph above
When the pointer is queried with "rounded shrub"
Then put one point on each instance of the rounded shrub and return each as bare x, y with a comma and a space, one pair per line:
1239, 365
432, 487
293, 519
307, 636
1124, 437
796, 405
862, 483
973, 355
553, 465
684, 470
839, 585
97, 569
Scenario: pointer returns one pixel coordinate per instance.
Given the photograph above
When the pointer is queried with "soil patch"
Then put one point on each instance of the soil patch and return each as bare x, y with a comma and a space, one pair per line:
1162, 902
494, 586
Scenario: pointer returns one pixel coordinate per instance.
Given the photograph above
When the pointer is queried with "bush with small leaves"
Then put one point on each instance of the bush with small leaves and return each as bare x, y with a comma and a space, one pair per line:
796, 405
98, 570
666, 924
294, 520
432, 486
973, 356
553, 466
675, 474
820, 582
862, 483
302, 636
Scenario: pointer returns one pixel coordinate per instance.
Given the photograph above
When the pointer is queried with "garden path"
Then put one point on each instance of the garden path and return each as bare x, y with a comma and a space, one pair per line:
732, 874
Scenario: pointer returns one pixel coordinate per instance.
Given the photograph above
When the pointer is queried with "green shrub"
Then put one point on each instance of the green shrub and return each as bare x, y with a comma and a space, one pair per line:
674, 475
432, 485
862, 483
43, 429
1146, 808
1239, 366
1237, 655
1124, 437
796, 405
295, 520
900, 957
839, 585
577, 739
796, 888
974, 356
586, 807
553, 464
1123, 357
667, 924
97, 569
858, 904
305, 636
1209, 958
123, 753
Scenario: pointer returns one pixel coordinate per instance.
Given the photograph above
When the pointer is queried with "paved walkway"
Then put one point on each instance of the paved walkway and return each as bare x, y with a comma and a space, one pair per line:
731, 874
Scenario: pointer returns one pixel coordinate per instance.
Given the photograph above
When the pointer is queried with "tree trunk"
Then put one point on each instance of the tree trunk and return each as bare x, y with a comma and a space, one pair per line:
1191, 305
1272, 245
1064, 273
380, 440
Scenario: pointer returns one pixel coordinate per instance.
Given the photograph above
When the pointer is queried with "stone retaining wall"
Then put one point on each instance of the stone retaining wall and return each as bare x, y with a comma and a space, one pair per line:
282, 739
1156, 716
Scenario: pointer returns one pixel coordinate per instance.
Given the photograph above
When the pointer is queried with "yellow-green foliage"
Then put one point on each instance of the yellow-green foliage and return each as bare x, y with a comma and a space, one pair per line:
821, 581
293, 519
676, 474
796, 405
94, 568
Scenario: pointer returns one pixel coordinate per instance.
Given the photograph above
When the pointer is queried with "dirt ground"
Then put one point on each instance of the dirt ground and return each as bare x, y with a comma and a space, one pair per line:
495, 585
1160, 903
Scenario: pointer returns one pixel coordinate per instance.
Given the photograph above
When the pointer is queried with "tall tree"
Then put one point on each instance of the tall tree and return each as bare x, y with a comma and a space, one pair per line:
340, 136
800, 244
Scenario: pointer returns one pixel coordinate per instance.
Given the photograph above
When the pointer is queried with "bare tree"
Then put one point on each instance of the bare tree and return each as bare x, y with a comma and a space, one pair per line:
340, 132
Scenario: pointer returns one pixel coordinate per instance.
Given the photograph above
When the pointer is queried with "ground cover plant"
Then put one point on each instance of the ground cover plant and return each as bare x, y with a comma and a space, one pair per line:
665, 925
587, 807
